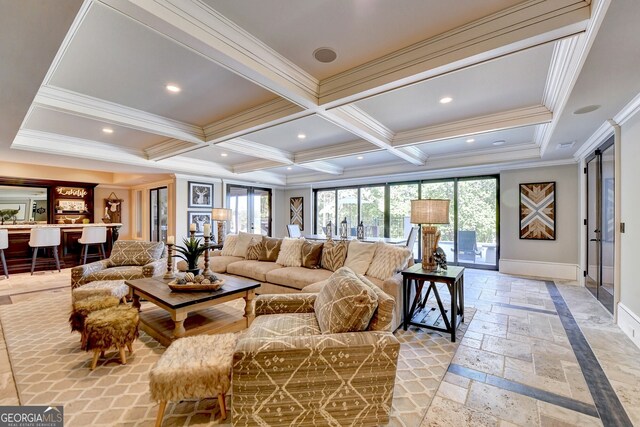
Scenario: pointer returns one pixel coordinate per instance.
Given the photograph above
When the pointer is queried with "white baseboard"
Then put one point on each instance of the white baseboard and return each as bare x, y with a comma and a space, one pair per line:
554, 270
629, 322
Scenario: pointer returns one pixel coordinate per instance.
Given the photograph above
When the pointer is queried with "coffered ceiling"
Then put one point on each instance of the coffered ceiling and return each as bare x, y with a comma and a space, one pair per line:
252, 103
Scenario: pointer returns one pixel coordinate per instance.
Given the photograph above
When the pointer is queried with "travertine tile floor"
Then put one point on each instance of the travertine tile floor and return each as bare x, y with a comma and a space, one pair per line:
514, 366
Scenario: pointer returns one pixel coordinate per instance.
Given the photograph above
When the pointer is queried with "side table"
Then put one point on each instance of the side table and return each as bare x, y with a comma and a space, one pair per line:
453, 277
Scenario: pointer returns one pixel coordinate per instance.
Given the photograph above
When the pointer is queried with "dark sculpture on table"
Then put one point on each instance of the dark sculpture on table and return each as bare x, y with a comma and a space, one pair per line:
440, 257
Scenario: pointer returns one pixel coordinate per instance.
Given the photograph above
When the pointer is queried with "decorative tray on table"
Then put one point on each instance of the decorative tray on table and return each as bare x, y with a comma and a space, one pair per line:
191, 283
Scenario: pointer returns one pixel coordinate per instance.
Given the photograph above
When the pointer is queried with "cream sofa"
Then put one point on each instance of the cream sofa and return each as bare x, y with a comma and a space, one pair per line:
277, 279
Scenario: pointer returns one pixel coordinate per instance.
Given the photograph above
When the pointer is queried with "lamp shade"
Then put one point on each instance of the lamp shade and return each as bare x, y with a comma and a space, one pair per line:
221, 214
430, 211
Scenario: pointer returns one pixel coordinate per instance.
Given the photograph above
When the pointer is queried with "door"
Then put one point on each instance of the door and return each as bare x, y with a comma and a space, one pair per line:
159, 198
601, 224
251, 209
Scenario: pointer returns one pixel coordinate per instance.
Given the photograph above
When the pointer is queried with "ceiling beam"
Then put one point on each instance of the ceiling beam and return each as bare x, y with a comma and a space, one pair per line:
170, 148
334, 151
255, 165
324, 167
254, 149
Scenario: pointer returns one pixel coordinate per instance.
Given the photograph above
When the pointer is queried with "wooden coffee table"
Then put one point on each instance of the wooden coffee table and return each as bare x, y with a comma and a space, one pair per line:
180, 314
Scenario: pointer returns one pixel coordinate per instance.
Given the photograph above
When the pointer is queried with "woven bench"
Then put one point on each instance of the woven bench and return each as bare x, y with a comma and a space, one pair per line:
195, 367
115, 288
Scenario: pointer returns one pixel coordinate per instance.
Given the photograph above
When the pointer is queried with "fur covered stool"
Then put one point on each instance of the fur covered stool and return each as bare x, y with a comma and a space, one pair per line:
112, 327
116, 288
81, 309
193, 368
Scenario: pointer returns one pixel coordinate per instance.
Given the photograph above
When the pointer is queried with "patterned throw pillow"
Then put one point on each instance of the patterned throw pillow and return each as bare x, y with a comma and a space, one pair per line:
132, 252
255, 247
270, 249
242, 244
229, 245
290, 253
311, 254
359, 256
334, 254
388, 260
345, 303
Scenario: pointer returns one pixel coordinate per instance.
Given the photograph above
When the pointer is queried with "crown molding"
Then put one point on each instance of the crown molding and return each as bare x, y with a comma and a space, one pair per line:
255, 165
628, 111
254, 149
527, 24
265, 115
604, 131
67, 101
505, 120
334, 151
324, 167
170, 148
201, 28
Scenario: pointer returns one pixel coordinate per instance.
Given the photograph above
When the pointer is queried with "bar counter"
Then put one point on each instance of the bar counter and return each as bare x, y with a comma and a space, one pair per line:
19, 253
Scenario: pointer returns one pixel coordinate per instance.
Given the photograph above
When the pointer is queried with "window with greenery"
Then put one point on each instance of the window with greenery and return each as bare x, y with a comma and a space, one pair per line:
372, 211
348, 209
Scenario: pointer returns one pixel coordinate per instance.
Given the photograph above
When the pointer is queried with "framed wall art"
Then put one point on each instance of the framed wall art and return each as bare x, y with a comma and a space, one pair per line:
538, 211
296, 211
199, 219
200, 195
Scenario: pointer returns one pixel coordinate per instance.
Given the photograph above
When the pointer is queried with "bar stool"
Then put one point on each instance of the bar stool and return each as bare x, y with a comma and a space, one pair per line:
4, 244
44, 237
93, 236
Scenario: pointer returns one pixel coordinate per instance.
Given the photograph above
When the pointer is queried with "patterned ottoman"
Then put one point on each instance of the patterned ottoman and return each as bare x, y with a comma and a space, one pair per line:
193, 368
116, 288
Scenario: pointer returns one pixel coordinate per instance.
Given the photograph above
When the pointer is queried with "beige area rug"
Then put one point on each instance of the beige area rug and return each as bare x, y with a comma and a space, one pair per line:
49, 368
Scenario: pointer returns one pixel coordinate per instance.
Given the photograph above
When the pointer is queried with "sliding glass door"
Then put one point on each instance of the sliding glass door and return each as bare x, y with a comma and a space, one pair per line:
159, 198
251, 209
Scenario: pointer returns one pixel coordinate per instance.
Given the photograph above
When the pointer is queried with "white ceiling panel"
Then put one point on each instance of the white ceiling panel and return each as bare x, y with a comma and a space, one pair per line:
358, 30
511, 137
318, 133
45, 120
114, 58
217, 155
510, 82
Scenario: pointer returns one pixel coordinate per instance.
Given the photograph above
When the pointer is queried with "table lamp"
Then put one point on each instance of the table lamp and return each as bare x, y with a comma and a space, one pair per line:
221, 215
426, 212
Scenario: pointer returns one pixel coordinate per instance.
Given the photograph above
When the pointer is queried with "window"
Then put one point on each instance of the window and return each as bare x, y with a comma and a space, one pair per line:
325, 209
159, 213
372, 211
348, 209
251, 209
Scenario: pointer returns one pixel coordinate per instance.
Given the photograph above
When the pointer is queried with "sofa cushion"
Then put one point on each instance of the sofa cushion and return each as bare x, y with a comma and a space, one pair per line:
256, 270
254, 249
290, 252
388, 260
229, 245
297, 277
219, 263
132, 252
334, 254
242, 243
286, 324
311, 254
345, 304
270, 249
359, 256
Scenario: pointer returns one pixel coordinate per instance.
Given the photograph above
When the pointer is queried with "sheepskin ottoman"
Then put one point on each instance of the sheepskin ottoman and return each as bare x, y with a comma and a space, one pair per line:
116, 288
112, 327
193, 368
81, 309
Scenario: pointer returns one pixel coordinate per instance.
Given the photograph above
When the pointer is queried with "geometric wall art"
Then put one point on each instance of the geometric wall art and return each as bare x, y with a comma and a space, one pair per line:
538, 211
296, 211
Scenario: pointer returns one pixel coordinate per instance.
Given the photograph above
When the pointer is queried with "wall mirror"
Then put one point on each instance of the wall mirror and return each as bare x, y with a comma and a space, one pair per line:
29, 202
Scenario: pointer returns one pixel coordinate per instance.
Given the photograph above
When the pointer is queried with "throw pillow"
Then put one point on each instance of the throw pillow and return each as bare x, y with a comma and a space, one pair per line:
359, 256
270, 249
382, 318
388, 260
333, 255
242, 244
255, 247
229, 245
290, 253
311, 254
131, 252
345, 304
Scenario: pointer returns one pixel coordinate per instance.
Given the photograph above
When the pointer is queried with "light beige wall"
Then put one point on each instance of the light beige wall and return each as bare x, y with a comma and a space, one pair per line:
101, 193
566, 247
182, 203
24, 170
307, 203
629, 212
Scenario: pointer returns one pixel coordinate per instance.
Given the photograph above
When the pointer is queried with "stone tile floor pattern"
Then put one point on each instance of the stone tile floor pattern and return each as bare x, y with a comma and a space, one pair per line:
503, 339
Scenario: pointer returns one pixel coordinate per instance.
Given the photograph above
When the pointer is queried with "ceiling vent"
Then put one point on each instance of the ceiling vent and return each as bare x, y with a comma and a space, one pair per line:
565, 145
587, 109
325, 54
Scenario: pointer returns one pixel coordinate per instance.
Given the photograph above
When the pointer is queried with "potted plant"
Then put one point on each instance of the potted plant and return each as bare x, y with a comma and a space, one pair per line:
190, 252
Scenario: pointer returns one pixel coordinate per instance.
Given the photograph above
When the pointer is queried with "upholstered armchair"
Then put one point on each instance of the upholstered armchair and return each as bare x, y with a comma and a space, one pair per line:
286, 371
130, 259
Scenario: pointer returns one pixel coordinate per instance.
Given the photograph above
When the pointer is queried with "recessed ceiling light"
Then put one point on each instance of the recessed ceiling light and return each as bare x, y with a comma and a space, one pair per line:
289, 168
587, 109
360, 157
173, 88
325, 54
301, 136
446, 100
224, 154
500, 142
470, 140
107, 130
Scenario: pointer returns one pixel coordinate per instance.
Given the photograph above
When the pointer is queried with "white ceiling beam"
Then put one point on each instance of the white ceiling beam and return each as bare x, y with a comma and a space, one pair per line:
518, 117
255, 165
334, 151
254, 149
204, 30
366, 127
170, 148
519, 27
81, 105
324, 167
